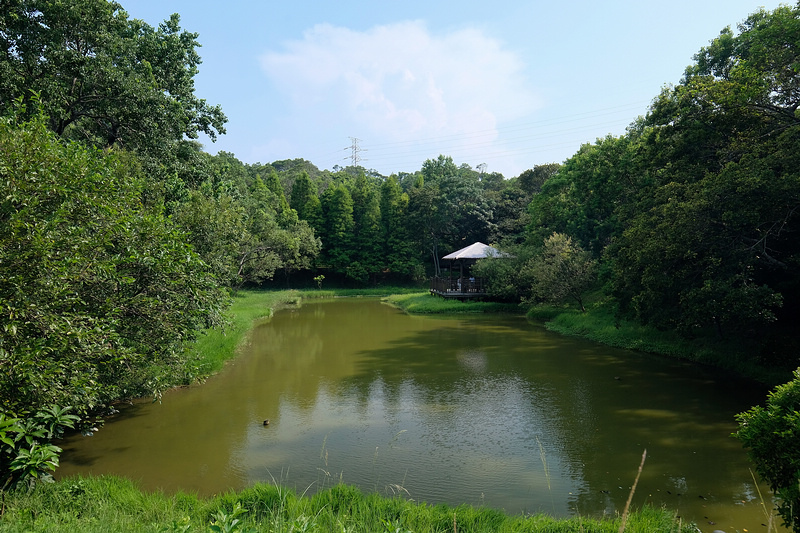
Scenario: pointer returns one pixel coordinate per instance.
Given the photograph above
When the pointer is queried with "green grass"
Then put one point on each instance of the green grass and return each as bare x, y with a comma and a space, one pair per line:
209, 353
102, 504
216, 346
599, 324
423, 303
366, 291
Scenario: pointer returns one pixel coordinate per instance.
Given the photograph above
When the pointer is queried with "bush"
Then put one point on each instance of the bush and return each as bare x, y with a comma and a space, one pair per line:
772, 436
26, 452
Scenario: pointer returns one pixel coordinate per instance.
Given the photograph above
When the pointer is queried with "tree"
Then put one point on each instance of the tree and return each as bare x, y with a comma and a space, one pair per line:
367, 258
771, 435
216, 227
285, 216
102, 77
562, 271
337, 235
448, 207
98, 293
511, 216
585, 197
246, 240
531, 180
398, 246
713, 241
275, 238
510, 277
303, 193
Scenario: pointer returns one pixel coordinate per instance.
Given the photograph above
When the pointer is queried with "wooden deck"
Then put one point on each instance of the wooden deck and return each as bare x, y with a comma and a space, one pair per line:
458, 288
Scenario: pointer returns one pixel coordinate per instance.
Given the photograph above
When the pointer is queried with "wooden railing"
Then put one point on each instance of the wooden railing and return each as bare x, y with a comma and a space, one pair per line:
457, 285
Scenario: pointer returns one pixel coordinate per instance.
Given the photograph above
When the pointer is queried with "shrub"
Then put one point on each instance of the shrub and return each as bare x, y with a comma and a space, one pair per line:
772, 436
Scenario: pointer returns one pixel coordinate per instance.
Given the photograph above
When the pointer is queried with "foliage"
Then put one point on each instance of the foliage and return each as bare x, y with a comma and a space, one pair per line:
214, 224
714, 241
398, 247
223, 522
693, 213
107, 503
562, 271
771, 435
337, 232
283, 213
248, 238
532, 180
305, 202
447, 209
367, 243
26, 452
584, 197
98, 293
102, 77
510, 278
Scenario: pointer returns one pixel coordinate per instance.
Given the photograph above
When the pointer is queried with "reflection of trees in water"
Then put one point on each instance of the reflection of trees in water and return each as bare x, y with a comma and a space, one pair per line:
473, 396
595, 408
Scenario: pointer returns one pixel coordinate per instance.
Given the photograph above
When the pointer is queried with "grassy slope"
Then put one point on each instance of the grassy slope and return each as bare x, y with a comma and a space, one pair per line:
600, 325
214, 347
102, 504
422, 303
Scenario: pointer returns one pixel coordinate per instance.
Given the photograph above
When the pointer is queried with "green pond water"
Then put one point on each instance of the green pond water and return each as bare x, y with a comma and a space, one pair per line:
482, 410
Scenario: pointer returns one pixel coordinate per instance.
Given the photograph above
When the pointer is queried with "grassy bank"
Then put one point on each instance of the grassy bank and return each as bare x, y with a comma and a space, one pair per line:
209, 353
599, 324
104, 504
423, 303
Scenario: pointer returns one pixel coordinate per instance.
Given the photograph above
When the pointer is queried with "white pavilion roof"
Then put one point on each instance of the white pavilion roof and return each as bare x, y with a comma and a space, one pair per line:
475, 251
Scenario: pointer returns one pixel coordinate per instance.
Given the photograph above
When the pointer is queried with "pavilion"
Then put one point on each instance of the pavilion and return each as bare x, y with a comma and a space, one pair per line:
461, 261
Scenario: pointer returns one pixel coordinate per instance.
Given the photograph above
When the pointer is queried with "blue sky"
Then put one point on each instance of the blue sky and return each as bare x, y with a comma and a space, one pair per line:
510, 86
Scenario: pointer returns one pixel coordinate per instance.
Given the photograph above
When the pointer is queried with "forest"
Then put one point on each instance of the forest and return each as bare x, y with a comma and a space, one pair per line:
122, 239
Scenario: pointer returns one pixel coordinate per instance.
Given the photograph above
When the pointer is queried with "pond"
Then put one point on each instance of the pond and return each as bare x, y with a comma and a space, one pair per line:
483, 410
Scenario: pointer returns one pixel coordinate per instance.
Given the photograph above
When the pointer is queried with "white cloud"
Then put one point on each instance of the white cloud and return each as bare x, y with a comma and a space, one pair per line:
401, 82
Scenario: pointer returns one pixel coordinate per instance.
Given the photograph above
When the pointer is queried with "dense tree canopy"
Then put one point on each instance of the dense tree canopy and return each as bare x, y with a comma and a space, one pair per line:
714, 237
98, 294
102, 77
447, 208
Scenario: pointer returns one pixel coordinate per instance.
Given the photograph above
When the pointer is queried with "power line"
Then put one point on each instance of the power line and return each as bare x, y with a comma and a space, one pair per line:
355, 159
515, 140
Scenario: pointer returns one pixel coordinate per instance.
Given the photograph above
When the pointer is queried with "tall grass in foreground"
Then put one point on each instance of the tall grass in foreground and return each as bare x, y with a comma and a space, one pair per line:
105, 504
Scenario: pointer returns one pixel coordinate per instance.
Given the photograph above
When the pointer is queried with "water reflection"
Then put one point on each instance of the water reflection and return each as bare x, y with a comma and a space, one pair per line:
482, 410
